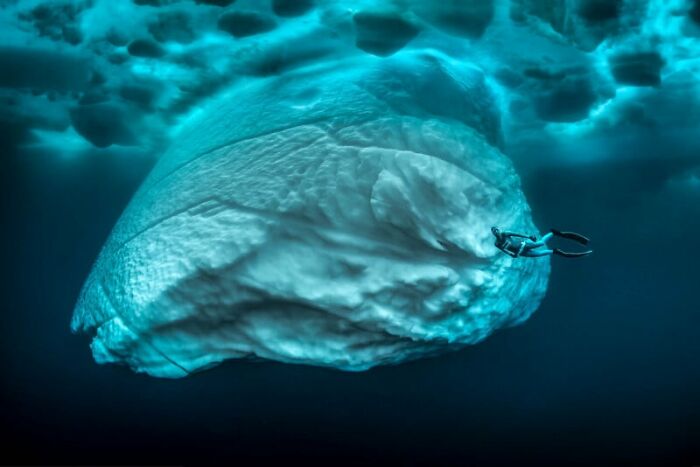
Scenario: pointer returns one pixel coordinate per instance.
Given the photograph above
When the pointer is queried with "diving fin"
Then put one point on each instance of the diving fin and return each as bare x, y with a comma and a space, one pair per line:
568, 254
571, 236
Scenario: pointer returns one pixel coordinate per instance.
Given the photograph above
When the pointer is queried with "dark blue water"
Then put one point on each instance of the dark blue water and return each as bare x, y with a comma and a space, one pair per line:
600, 106
604, 373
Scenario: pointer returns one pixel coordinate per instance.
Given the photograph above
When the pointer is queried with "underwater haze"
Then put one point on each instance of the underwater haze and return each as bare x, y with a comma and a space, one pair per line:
248, 230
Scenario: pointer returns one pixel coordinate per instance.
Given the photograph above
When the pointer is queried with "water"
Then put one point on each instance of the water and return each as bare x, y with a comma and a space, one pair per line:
605, 372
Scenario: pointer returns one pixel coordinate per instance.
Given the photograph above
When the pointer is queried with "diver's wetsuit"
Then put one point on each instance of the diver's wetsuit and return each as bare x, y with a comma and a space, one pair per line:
515, 244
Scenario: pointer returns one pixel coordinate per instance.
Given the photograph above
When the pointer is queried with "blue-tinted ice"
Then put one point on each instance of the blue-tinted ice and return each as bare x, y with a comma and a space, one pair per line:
330, 170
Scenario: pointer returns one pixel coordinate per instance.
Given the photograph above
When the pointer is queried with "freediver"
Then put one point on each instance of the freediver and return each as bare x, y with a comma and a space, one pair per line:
515, 244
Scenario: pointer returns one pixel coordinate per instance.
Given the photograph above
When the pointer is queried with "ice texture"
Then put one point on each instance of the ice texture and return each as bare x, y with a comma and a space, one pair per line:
566, 72
331, 168
336, 216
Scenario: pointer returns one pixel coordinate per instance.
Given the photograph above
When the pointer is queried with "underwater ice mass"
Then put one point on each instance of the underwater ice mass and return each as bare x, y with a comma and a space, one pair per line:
329, 171
321, 219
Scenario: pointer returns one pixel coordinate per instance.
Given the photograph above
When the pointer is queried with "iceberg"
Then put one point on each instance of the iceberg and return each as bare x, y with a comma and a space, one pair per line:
335, 215
328, 171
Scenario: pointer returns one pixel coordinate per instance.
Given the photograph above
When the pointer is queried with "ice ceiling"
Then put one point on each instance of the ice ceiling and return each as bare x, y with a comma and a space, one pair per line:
329, 169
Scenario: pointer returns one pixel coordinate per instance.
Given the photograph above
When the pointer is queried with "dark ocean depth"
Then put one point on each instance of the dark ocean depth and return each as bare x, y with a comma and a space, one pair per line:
604, 373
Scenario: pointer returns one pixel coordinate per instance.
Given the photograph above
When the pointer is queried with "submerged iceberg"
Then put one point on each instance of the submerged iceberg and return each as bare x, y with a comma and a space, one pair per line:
333, 166
336, 216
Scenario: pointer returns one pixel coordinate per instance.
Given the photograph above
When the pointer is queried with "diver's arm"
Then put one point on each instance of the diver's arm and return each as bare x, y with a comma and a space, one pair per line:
506, 251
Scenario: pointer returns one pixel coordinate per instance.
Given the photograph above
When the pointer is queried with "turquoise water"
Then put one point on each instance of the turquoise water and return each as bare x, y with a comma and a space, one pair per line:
596, 106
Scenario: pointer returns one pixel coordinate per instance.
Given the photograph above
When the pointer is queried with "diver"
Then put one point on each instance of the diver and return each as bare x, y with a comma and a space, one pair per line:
515, 244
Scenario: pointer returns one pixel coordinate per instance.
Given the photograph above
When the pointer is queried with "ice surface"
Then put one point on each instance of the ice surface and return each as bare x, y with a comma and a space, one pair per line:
564, 70
322, 220
354, 97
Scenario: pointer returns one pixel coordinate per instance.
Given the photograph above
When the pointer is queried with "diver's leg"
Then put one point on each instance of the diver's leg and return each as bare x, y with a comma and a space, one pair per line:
535, 253
541, 242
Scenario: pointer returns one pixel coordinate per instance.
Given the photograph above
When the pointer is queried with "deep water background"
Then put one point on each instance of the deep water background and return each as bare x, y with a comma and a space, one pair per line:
606, 372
